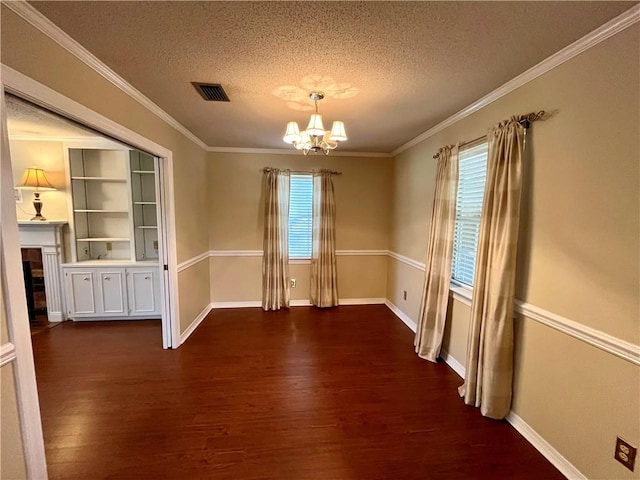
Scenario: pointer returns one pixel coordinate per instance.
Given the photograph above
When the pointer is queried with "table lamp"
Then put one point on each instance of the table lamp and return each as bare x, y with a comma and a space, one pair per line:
35, 179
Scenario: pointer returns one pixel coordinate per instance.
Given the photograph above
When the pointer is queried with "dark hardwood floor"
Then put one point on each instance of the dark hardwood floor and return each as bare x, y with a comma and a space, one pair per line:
302, 394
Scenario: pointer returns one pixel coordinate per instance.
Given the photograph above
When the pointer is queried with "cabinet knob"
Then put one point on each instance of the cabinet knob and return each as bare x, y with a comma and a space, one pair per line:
107, 278
86, 279
146, 278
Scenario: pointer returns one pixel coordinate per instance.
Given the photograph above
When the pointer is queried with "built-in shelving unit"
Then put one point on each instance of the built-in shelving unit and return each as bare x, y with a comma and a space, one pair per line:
143, 194
101, 204
114, 270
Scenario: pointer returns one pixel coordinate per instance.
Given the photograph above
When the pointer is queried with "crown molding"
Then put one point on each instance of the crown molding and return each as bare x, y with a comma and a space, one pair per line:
55, 33
285, 151
614, 26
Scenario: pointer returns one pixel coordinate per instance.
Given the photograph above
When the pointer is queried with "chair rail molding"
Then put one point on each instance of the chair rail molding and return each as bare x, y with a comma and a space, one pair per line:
597, 338
7, 353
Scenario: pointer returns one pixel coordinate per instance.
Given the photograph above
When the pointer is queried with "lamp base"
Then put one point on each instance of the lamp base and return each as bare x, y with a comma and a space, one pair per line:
37, 204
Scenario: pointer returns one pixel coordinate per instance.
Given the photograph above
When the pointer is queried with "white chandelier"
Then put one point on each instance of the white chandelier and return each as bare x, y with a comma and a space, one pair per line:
315, 138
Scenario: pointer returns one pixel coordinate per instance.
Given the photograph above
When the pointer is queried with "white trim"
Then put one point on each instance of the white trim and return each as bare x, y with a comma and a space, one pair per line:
544, 447
196, 322
55, 33
361, 253
192, 261
34, 91
533, 437
361, 301
7, 353
616, 25
285, 151
244, 304
599, 339
408, 261
455, 365
402, 316
299, 303
15, 311
461, 294
235, 253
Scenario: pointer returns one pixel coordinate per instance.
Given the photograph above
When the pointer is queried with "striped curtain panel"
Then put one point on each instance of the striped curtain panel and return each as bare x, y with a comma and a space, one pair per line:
324, 274
489, 369
435, 299
275, 260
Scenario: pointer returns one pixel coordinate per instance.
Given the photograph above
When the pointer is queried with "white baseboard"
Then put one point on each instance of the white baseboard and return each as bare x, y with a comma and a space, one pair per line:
455, 365
533, 437
401, 315
244, 304
361, 301
545, 448
197, 321
299, 303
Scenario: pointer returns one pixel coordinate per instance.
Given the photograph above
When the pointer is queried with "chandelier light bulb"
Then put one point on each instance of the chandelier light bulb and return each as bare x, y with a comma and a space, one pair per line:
315, 138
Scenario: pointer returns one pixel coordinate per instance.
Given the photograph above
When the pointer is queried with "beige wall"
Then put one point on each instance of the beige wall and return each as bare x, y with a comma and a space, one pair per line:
12, 461
50, 157
236, 223
579, 248
30, 52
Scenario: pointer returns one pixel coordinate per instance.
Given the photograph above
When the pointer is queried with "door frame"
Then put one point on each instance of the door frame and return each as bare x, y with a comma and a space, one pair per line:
29, 89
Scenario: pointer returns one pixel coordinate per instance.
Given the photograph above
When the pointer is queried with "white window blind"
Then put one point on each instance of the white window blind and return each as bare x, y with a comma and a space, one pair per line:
471, 179
300, 216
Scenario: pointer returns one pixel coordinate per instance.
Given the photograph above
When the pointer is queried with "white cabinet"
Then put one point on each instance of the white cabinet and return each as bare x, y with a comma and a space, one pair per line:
112, 292
81, 300
99, 292
144, 298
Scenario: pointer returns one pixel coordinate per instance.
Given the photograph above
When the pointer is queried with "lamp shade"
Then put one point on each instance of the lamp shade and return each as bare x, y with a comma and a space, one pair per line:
315, 126
292, 134
35, 179
338, 133
305, 140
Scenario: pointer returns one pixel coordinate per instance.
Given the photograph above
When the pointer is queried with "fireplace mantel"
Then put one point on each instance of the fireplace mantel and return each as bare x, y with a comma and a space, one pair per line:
47, 235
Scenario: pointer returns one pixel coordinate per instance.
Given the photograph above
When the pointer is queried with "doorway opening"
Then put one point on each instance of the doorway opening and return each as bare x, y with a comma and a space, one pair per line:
94, 240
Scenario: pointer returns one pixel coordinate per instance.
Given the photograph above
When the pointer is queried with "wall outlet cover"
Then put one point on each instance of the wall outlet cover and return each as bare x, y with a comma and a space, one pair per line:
625, 453
17, 195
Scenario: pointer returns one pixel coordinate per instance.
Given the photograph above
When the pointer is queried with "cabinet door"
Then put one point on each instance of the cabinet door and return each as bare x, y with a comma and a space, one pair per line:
81, 299
143, 292
112, 292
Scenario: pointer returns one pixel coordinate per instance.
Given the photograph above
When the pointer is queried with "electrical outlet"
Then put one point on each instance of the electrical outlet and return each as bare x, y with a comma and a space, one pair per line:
404, 294
625, 453
293, 283
109, 246
17, 195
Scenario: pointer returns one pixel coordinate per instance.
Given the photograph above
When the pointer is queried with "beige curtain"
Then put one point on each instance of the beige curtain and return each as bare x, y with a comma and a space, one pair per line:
324, 274
435, 297
275, 260
489, 369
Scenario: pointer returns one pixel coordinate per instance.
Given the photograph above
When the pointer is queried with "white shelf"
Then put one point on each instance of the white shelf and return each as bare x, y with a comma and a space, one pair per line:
101, 179
144, 203
146, 226
151, 172
103, 239
99, 211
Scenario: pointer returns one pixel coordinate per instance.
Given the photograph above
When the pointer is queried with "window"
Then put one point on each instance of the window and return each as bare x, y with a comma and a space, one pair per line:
472, 174
300, 216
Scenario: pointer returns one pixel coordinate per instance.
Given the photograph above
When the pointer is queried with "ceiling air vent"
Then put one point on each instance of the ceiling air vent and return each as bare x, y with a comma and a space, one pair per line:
211, 92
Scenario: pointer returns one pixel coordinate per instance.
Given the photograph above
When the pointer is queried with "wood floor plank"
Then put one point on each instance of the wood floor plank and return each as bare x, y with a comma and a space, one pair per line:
302, 394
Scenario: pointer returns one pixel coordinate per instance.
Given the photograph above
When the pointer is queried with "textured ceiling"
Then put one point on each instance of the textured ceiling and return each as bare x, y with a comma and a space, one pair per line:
391, 70
25, 120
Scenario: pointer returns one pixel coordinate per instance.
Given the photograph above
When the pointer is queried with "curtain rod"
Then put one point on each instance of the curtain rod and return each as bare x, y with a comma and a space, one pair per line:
268, 169
525, 120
